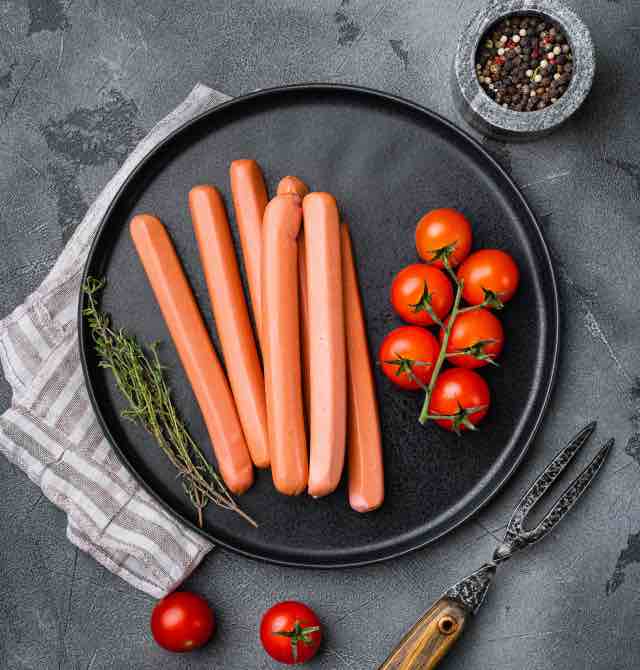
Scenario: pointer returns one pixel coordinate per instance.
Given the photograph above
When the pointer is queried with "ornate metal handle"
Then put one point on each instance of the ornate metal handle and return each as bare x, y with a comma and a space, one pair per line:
424, 646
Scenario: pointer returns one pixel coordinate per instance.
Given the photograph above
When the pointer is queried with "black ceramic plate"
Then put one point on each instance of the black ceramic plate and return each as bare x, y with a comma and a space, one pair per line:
387, 161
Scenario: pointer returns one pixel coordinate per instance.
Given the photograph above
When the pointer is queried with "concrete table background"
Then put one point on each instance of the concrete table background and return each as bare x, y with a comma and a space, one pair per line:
82, 80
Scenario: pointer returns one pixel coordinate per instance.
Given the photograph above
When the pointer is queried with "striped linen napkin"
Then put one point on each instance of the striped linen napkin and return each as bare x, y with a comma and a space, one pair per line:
51, 432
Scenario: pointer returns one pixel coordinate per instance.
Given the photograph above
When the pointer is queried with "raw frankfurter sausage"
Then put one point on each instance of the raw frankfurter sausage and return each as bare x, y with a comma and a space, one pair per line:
296, 185
218, 259
249, 200
304, 324
328, 388
364, 439
190, 336
281, 344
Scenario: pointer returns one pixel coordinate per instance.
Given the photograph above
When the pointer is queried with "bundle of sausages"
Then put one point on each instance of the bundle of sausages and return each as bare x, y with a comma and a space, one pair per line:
310, 329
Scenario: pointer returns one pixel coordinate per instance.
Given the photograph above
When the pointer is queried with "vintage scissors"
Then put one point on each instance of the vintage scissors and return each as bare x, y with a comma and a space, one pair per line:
424, 646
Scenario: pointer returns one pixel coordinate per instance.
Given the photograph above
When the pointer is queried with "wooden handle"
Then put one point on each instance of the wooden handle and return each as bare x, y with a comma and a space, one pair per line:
425, 645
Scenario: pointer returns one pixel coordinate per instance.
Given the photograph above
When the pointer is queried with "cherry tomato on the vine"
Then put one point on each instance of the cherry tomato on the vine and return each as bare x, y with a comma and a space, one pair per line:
489, 270
439, 230
457, 391
419, 289
479, 332
407, 356
290, 632
182, 621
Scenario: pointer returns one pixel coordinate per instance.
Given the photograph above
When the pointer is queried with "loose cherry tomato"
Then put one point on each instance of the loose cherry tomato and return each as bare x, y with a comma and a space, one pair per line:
290, 632
489, 270
407, 356
443, 229
479, 332
182, 621
456, 392
418, 289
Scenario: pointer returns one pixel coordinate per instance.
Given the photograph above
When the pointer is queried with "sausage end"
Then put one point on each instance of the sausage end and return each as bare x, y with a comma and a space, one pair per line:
321, 488
142, 223
289, 489
238, 483
320, 199
243, 164
362, 504
203, 190
292, 184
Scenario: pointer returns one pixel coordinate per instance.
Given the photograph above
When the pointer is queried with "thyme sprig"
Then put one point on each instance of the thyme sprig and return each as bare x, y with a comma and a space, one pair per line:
141, 379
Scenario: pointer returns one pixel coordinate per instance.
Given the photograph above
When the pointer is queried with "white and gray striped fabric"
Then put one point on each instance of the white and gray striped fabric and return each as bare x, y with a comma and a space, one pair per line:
51, 432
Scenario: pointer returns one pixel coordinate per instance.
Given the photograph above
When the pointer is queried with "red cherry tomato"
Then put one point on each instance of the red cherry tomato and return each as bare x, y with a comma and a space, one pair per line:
418, 288
290, 632
492, 270
456, 391
407, 356
182, 621
478, 329
442, 228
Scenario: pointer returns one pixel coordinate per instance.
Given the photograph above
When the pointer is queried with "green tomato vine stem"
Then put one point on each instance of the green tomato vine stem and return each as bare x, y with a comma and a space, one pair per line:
471, 308
442, 354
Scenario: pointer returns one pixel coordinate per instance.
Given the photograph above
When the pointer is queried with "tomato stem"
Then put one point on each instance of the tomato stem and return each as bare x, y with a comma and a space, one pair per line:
405, 366
444, 254
424, 305
412, 376
460, 418
446, 261
296, 635
466, 410
471, 308
476, 351
491, 301
442, 354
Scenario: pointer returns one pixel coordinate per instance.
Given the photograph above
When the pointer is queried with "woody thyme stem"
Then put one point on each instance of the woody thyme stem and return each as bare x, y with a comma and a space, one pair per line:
140, 377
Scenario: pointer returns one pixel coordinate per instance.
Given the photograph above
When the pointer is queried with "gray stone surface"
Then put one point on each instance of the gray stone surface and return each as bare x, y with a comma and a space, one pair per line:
81, 80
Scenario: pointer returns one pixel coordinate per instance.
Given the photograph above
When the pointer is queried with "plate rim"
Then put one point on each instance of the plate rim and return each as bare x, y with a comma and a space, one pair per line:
555, 331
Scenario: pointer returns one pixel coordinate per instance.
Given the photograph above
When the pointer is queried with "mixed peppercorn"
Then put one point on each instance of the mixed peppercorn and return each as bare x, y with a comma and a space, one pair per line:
524, 63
